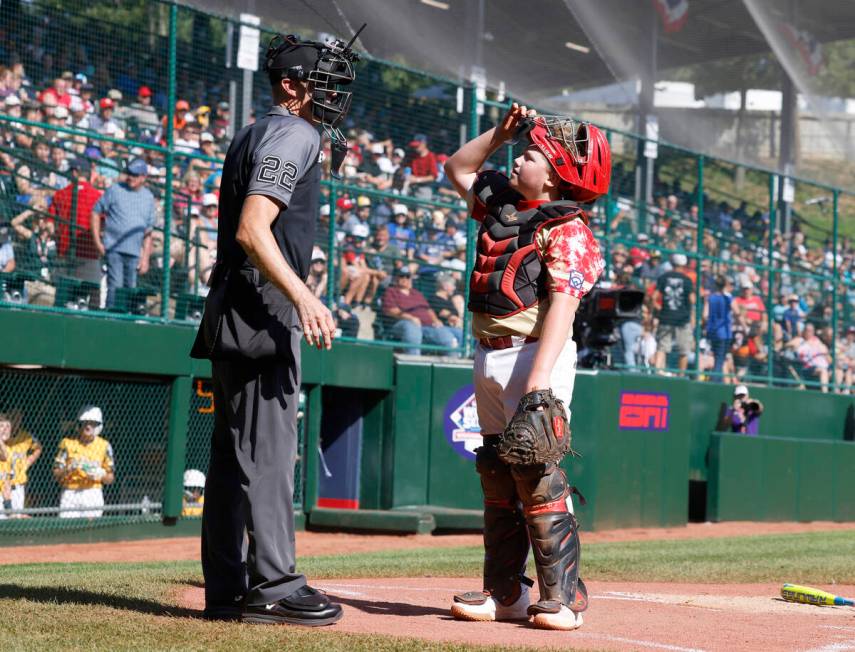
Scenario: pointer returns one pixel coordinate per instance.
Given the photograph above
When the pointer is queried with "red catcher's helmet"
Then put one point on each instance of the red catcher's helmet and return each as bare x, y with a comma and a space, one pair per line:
578, 152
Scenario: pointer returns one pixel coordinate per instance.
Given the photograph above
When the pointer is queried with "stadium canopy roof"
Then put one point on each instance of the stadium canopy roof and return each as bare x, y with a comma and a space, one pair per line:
537, 48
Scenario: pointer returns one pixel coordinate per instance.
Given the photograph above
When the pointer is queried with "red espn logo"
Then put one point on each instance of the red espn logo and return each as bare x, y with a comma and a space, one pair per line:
643, 411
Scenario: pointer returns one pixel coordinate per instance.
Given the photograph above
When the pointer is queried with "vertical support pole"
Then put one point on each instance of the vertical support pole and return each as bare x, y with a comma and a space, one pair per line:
313, 442
699, 245
509, 150
834, 271
607, 231
176, 447
72, 219
170, 141
331, 246
770, 343
471, 232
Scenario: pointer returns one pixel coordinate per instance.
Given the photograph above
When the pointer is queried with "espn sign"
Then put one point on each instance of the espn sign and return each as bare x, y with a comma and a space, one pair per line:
643, 411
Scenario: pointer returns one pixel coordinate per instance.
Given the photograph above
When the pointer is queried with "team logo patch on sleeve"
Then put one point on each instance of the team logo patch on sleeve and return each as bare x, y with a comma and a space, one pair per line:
577, 279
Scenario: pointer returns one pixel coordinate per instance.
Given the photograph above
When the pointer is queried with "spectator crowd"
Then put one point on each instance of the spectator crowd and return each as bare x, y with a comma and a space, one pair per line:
84, 208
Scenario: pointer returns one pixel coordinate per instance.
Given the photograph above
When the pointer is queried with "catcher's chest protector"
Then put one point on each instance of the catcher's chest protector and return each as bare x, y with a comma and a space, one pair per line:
507, 275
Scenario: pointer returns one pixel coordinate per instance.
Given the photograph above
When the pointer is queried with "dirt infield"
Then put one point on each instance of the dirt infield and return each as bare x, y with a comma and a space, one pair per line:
325, 543
622, 616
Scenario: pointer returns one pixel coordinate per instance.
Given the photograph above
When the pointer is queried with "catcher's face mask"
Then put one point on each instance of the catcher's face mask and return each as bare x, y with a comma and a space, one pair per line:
327, 69
577, 151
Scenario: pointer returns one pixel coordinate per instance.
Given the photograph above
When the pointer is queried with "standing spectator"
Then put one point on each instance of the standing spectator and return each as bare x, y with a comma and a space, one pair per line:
675, 294
128, 210
719, 323
423, 168
83, 465
80, 251
414, 320
24, 450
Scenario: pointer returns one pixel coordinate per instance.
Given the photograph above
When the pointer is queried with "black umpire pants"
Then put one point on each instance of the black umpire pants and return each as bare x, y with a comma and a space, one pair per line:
248, 516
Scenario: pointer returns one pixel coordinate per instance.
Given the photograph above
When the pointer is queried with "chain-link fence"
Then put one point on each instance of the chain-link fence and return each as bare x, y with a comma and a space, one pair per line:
80, 450
159, 82
200, 426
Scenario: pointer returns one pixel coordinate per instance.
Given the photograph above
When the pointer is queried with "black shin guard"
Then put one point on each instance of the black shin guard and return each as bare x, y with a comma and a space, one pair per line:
554, 536
505, 536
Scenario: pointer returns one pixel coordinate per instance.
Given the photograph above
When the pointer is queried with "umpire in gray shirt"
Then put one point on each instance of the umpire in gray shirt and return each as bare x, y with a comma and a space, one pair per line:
256, 313
128, 209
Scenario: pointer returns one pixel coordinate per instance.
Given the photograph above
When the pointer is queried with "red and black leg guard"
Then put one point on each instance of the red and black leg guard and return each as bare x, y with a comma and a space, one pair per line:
505, 536
553, 531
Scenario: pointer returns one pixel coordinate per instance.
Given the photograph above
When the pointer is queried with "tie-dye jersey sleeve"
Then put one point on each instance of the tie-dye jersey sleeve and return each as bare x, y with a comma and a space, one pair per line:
572, 258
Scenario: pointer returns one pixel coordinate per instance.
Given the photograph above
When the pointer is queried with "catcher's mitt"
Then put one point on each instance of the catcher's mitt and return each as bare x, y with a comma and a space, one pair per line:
537, 433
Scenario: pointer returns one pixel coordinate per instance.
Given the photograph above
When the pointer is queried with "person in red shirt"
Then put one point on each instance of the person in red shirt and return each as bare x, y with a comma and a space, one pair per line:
423, 167
749, 307
56, 95
85, 258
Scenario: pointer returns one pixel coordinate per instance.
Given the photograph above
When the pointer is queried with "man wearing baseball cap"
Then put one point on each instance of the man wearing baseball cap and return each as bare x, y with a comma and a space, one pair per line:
128, 210
743, 415
142, 111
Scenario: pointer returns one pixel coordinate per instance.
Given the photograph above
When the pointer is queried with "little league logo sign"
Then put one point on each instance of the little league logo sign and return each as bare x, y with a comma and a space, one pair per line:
460, 423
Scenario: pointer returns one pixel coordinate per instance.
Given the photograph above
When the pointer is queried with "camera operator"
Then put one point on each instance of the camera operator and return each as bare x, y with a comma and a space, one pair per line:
744, 415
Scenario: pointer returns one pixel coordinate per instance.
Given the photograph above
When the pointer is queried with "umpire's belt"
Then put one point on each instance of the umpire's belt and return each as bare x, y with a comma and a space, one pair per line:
506, 341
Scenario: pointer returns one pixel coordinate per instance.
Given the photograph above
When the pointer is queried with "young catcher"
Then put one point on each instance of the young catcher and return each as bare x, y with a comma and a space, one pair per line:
536, 259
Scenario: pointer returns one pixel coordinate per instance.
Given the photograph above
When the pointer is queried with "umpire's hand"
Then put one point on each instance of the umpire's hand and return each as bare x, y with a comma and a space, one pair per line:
317, 320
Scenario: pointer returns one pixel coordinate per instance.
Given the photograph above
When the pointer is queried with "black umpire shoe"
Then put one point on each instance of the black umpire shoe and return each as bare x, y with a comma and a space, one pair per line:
306, 606
227, 611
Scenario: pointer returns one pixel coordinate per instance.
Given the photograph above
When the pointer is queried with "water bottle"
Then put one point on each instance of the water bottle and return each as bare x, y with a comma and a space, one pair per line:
146, 505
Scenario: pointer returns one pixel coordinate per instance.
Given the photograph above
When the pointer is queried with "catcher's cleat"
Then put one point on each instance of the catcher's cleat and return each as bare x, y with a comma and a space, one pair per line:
549, 614
481, 606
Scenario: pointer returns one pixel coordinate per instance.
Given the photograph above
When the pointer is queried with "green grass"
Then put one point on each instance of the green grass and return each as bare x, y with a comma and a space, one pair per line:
131, 606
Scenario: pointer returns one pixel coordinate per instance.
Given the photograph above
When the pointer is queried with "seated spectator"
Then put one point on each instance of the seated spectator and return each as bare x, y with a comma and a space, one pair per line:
40, 241
447, 303
413, 321
84, 463
317, 280
7, 251
400, 230
383, 256
103, 122
203, 233
814, 356
142, 112
355, 273
749, 307
376, 168
792, 320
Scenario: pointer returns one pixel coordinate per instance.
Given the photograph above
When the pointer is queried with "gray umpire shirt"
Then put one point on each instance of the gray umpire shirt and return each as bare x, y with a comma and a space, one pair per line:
245, 314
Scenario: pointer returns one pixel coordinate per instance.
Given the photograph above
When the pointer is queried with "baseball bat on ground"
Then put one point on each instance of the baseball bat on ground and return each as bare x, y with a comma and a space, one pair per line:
809, 595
